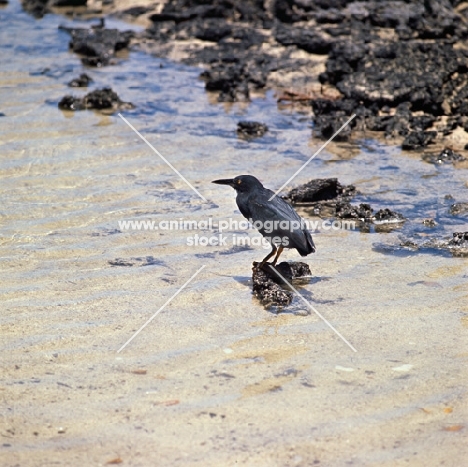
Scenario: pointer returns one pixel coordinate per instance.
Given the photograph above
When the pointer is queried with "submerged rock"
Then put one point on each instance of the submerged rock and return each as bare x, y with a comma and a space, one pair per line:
446, 156
384, 216
458, 208
250, 130
81, 82
138, 261
363, 212
99, 99
429, 222
457, 245
459, 239
72, 103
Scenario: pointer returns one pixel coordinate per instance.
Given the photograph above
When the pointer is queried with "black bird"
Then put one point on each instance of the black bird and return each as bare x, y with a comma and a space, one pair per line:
280, 223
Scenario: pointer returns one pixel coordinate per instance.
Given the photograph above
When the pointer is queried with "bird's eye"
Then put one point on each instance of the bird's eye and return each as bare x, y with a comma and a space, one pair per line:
239, 182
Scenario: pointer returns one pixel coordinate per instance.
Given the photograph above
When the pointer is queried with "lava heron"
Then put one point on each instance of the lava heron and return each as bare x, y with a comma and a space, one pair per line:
276, 220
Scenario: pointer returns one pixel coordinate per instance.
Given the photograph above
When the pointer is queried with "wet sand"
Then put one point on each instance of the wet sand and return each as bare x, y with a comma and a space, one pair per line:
214, 379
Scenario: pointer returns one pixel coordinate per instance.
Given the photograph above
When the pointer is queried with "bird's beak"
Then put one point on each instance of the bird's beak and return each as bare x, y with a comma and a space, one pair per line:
225, 181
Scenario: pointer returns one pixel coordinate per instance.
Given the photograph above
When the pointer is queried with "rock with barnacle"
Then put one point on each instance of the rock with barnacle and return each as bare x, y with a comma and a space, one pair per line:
100, 99
270, 288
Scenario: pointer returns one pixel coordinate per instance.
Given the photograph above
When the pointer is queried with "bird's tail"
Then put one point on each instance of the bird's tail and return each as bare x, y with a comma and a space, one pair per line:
309, 246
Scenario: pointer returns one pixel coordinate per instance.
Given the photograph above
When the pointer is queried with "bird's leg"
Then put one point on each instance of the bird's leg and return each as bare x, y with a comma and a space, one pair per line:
268, 256
280, 250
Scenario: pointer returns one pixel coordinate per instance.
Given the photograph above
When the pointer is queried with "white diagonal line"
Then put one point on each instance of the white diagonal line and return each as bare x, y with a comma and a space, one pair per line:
161, 309
162, 157
314, 310
316, 153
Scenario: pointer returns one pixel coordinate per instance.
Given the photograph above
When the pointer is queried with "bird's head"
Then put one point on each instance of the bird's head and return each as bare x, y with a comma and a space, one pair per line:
241, 183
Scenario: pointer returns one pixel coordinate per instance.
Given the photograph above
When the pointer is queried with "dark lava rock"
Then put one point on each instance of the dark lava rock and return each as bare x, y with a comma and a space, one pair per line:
365, 213
429, 77
179, 11
105, 98
212, 30
345, 210
72, 3
418, 139
267, 291
72, 103
327, 125
320, 189
136, 11
233, 71
229, 80
331, 199
458, 208
401, 123
457, 245
249, 130
98, 45
331, 115
38, 8
394, 62
237, 63
429, 222
183, 11
81, 82
99, 99
293, 270
310, 40
268, 286
291, 11
437, 20
446, 156
392, 73
386, 215
459, 239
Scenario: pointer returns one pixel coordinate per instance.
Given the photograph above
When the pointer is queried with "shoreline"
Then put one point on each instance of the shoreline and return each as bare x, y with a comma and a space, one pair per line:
322, 59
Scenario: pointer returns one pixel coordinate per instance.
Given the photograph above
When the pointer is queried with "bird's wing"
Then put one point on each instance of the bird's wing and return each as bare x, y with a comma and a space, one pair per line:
262, 209
245, 211
276, 209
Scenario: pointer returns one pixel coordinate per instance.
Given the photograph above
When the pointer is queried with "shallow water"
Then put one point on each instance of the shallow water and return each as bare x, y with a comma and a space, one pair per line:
215, 378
